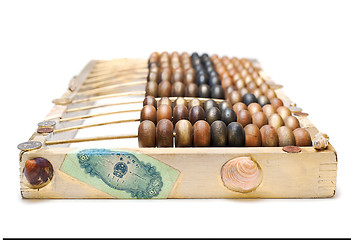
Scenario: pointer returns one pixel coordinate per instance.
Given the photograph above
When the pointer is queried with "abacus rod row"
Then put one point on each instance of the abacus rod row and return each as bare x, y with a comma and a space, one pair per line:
94, 125
109, 88
78, 140
107, 74
97, 115
100, 106
113, 74
115, 95
119, 61
112, 81
119, 68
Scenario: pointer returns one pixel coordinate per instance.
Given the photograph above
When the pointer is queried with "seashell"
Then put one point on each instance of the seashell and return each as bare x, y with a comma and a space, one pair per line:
241, 174
320, 141
37, 173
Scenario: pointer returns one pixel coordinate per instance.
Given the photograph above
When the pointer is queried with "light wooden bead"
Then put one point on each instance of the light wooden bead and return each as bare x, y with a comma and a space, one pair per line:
268, 109
164, 89
180, 101
283, 112
195, 102
191, 90
259, 119
235, 97
183, 133
147, 134
291, 122
275, 120
166, 101
151, 89
270, 93
254, 108
202, 134
148, 112
238, 107
150, 100
164, 133
285, 136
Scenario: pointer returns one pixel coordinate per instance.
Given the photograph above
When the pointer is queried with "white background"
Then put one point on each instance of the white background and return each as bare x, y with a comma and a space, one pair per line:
304, 45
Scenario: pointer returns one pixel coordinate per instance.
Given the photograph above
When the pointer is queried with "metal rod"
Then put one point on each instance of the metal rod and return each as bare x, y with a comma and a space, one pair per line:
115, 95
94, 125
77, 140
112, 74
100, 106
97, 115
112, 81
110, 88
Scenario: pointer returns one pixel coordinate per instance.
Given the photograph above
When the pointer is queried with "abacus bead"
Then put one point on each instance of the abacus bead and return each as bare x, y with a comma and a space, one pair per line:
150, 100
254, 108
243, 91
249, 98
147, 134
270, 93
165, 75
291, 122
204, 91
258, 93
214, 80
164, 133
244, 117
191, 90
259, 119
283, 112
238, 107
217, 91
164, 112
285, 137
148, 112
213, 114
196, 113
165, 100
302, 137
228, 116
268, 110
269, 136
235, 97
252, 136
178, 89
178, 75
180, 112
180, 101
223, 105
218, 134
183, 133
201, 78
210, 103
164, 89
152, 76
189, 77
235, 135
263, 100
202, 134
275, 120
194, 102
151, 89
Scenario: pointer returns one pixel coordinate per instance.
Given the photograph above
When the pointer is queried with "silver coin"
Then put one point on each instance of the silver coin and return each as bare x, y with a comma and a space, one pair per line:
47, 124
28, 146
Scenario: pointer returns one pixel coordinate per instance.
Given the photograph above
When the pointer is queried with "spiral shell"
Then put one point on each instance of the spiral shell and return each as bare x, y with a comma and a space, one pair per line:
320, 141
241, 174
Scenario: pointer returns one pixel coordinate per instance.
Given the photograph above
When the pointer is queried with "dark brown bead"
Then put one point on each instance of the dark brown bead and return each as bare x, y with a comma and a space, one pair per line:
150, 100
285, 137
235, 135
148, 112
180, 112
196, 113
183, 133
164, 133
191, 90
252, 136
164, 89
178, 89
213, 114
224, 104
228, 116
147, 134
151, 89
302, 137
210, 103
204, 91
202, 134
244, 117
218, 134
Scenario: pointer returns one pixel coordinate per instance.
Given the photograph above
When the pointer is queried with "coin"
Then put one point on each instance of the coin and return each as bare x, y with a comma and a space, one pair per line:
47, 124
28, 146
45, 130
291, 149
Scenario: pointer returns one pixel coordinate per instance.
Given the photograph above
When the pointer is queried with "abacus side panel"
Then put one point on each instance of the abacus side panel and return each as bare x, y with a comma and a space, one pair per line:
309, 174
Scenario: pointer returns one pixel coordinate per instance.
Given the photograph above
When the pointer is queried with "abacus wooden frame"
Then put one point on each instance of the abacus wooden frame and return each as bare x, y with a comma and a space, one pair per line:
308, 174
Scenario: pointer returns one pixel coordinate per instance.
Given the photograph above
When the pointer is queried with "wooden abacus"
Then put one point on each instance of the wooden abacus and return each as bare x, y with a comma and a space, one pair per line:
182, 127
